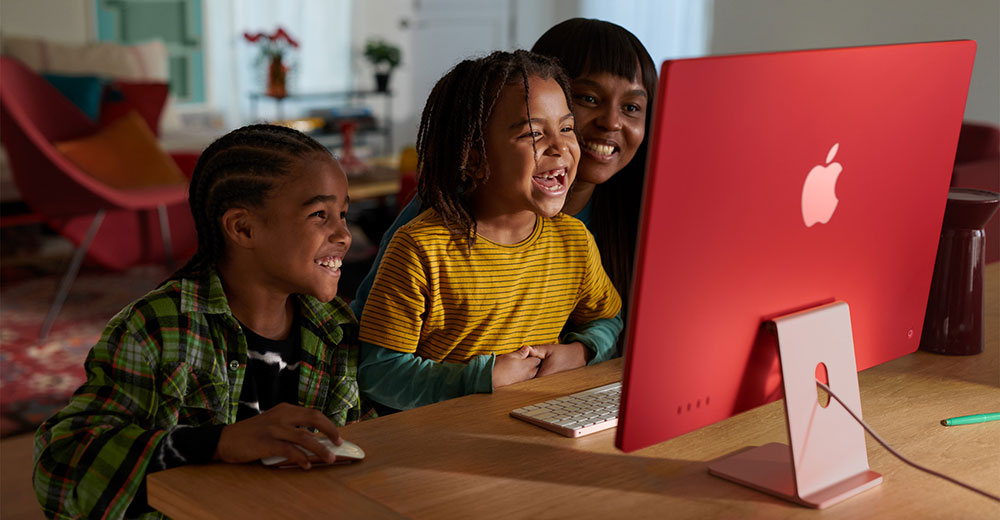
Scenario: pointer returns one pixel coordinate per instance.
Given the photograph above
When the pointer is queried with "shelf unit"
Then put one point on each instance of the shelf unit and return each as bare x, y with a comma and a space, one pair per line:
345, 98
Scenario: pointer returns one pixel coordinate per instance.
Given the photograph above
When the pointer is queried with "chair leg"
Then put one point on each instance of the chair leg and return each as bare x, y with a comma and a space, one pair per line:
74, 267
168, 248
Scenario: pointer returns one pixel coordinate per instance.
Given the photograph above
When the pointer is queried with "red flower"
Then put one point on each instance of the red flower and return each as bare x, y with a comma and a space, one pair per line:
272, 45
281, 34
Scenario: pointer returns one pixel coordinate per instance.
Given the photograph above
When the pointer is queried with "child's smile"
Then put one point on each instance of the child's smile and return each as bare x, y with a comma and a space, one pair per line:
552, 181
331, 263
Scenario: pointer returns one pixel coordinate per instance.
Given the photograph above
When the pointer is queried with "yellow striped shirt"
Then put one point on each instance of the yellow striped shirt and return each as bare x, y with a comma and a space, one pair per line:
433, 298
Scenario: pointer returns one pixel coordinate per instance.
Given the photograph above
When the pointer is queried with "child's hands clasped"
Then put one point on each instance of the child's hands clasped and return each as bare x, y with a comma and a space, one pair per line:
536, 361
514, 367
559, 357
275, 433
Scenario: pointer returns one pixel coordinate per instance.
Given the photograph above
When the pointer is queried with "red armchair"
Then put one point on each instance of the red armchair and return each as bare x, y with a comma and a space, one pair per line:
111, 227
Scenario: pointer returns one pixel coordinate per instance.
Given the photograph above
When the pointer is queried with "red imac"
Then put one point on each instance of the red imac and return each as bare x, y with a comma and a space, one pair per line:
792, 210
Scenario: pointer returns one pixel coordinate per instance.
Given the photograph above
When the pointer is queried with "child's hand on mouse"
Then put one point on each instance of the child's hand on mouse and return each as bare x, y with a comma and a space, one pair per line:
557, 357
276, 432
514, 367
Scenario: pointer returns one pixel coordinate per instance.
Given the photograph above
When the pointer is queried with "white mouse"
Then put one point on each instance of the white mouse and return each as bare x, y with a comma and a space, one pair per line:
346, 452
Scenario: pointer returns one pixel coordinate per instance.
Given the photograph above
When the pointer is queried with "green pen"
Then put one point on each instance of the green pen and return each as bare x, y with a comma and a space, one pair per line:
972, 419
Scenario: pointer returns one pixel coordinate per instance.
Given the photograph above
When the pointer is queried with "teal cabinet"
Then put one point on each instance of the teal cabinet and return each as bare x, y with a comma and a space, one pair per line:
178, 23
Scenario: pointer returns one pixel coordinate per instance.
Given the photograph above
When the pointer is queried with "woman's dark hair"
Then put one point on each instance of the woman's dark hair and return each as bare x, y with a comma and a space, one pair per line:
239, 170
586, 46
451, 139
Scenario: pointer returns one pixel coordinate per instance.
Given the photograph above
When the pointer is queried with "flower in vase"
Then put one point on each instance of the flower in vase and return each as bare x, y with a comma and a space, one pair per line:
273, 48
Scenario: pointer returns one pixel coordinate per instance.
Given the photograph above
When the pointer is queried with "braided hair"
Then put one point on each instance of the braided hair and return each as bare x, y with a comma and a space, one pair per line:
451, 139
586, 46
239, 170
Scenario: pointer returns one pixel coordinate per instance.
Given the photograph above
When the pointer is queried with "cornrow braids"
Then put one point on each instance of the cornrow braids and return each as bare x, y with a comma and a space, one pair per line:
451, 138
239, 170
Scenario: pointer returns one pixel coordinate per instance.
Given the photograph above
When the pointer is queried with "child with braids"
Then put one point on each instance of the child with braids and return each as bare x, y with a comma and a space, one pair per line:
240, 355
472, 294
613, 80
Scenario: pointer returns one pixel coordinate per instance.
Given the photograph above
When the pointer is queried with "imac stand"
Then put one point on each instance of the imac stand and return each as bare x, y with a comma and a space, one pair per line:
827, 461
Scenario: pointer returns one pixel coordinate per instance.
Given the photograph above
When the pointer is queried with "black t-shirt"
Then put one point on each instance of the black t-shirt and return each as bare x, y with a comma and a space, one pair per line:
272, 374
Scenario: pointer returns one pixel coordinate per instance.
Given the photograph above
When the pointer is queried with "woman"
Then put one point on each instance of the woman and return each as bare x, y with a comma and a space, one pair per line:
613, 81
613, 84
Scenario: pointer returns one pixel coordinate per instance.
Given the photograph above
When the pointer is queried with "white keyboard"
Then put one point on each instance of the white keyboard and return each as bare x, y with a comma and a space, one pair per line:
578, 414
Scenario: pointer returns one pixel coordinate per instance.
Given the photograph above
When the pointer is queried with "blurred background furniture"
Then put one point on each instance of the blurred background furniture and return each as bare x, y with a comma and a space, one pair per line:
977, 165
114, 228
335, 108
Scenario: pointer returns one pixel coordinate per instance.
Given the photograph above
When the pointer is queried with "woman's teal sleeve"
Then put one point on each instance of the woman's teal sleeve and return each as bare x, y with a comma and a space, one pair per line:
600, 336
361, 296
403, 380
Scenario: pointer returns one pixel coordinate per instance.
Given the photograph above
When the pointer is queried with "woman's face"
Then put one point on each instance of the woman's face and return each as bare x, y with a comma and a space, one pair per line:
611, 116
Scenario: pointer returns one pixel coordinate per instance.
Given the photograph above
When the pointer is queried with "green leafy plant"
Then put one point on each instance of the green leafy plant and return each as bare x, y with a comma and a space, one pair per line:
382, 54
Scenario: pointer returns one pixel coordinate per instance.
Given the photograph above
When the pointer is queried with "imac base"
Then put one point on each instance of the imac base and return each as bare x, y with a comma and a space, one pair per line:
826, 460
768, 469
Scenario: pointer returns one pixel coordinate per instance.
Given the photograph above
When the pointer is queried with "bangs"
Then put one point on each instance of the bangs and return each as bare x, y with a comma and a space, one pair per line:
605, 55
585, 46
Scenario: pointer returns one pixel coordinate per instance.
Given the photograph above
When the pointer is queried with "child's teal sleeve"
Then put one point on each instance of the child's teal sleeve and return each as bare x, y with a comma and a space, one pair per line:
403, 380
600, 336
361, 296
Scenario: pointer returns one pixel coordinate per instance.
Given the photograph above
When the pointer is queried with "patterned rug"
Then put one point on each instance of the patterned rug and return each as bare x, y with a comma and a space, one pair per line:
38, 377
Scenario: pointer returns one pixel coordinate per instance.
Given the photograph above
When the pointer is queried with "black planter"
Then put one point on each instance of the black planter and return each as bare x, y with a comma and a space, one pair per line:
382, 81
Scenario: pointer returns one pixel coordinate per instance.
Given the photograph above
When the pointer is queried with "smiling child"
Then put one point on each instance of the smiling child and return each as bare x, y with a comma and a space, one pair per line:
474, 292
236, 357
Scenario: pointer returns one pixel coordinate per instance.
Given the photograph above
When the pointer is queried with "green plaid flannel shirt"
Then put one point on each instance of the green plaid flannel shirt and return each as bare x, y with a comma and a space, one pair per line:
177, 356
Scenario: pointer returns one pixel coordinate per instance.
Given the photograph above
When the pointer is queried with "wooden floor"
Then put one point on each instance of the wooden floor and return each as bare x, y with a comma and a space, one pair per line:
17, 498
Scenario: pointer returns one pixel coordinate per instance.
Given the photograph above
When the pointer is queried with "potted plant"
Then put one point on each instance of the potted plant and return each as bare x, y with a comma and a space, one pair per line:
385, 57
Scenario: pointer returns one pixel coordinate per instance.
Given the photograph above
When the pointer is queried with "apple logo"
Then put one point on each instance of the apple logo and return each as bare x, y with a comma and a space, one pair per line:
819, 198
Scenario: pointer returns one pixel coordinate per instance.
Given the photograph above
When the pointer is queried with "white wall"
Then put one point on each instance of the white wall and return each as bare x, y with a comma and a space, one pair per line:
765, 25
68, 21
390, 20
395, 21
533, 17
738, 26
321, 63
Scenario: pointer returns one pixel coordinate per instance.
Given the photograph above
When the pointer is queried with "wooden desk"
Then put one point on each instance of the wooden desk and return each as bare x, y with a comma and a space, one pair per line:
466, 458
380, 181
